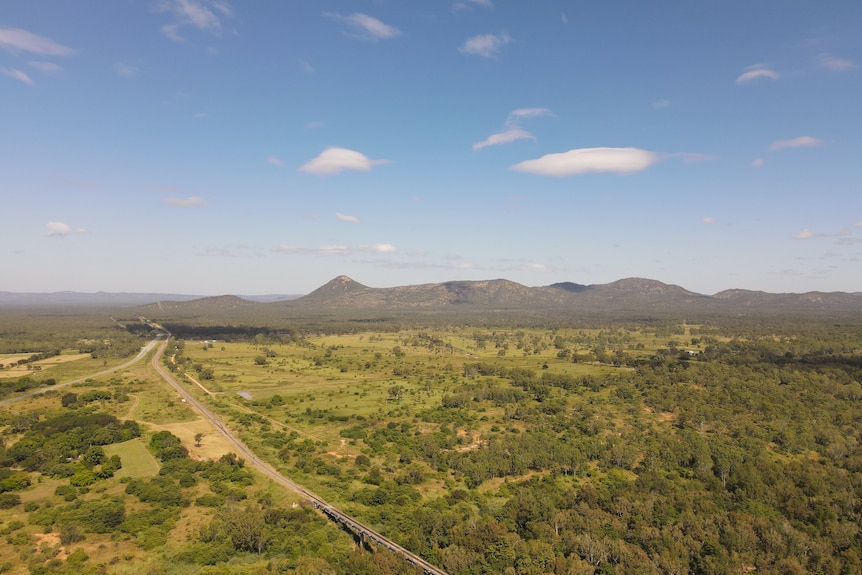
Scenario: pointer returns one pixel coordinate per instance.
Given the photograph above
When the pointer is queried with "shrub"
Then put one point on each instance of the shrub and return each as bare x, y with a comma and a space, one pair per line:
9, 500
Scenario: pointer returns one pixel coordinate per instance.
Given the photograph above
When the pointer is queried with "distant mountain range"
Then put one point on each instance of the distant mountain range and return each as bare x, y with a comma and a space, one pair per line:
343, 294
624, 294
107, 299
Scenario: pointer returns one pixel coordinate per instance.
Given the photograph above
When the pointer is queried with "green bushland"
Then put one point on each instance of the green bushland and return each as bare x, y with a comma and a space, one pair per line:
725, 445
576, 449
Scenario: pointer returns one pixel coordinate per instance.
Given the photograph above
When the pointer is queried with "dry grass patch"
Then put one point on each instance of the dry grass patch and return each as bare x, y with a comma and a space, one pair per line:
213, 444
43, 364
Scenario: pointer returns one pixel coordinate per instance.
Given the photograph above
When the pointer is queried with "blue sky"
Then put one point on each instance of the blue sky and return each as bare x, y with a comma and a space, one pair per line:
211, 147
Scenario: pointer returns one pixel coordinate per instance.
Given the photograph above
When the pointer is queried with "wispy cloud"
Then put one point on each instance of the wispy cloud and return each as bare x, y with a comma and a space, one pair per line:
458, 6
275, 161
805, 234
515, 116
800, 142
125, 70
835, 64
335, 160
172, 31
346, 218
366, 27
46, 67
307, 67
758, 163
708, 220
485, 45
189, 202
755, 72
506, 137
563, 18
19, 40
336, 250
661, 104
513, 132
18, 75
590, 160
690, 158
59, 230
204, 15
235, 251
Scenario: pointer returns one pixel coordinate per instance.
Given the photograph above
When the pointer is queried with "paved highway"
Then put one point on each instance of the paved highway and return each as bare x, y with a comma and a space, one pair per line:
144, 351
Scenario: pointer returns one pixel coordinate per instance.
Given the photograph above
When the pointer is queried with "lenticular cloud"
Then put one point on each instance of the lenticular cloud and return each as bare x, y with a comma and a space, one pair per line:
589, 160
335, 160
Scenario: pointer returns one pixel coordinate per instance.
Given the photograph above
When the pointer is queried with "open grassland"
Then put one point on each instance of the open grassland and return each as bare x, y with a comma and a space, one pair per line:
137, 459
323, 387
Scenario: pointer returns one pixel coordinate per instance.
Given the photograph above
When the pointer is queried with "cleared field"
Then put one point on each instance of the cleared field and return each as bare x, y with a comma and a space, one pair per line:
137, 459
41, 365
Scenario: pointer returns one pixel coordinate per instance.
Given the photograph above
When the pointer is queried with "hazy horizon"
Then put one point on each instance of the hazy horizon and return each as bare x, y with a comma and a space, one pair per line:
210, 147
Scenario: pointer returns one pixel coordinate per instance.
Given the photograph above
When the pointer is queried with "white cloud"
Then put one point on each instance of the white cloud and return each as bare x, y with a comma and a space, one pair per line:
805, 234
59, 230
334, 160
506, 137
563, 18
18, 40
515, 116
380, 248
18, 75
314, 125
366, 27
346, 218
758, 163
205, 15
46, 67
835, 64
800, 142
589, 160
708, 220
858, 224
190, 202
485, 45
661, 104
755, 72
275, 161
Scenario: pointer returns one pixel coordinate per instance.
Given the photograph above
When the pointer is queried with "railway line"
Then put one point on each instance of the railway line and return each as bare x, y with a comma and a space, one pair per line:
363, 532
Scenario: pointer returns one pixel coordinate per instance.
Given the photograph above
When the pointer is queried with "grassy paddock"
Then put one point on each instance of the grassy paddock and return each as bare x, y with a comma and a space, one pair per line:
137, 459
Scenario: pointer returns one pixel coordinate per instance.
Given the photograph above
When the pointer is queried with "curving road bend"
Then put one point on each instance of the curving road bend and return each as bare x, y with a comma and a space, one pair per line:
333, 513
144, 351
